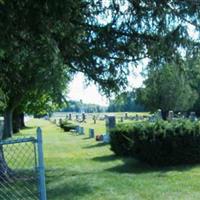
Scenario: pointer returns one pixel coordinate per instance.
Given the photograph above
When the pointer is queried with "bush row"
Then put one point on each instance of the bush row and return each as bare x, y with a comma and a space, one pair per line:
160, 143
66, 126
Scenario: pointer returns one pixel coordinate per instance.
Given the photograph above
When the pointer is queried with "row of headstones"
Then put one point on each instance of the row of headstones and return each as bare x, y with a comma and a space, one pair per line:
104, 137
171, 116
110, 123
82, 118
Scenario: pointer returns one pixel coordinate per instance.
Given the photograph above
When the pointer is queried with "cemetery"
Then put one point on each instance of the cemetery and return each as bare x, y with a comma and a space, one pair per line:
79, 167
99, 100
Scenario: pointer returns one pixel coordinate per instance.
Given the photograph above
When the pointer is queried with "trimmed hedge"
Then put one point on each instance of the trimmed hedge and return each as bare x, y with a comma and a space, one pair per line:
162, 143
66, 126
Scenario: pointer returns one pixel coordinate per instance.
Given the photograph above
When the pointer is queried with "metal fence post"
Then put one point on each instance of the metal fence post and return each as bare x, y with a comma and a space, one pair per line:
42, 185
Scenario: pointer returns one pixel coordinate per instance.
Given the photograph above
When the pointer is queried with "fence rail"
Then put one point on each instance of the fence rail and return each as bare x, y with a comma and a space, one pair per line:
22, 169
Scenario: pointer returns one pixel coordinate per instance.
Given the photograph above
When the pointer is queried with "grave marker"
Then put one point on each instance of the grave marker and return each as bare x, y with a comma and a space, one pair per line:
81, 131
110, 124
94, 119
70, 116
91, 133
83, 117
193, 116
170, 115
159, 114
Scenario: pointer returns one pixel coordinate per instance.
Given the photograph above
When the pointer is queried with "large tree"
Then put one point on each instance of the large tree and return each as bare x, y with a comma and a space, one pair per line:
125, 102
42, 40
168, 88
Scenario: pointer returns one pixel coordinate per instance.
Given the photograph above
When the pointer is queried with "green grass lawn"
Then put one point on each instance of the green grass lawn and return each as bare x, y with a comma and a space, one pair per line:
78, 168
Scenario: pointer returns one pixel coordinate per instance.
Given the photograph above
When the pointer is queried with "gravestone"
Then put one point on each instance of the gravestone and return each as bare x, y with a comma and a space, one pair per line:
136, 117
60, 122
110, 123
91, 133
70, 116
179, 115
106, 138
159, 114
83, 117
126, 115
76, 117
81, 131
170, 115
121, 119
94, 119
77, 129
152, 118
193, 116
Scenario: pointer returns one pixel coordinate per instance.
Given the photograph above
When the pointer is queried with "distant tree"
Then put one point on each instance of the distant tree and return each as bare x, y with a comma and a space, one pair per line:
125, 102
167, 88
75, 106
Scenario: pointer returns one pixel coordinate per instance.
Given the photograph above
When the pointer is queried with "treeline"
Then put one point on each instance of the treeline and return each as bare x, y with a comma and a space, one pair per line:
78, 106
126, 102
172, 86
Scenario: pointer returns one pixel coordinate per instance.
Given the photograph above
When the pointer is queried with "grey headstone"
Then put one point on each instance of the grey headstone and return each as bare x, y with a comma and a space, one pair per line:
70, 116
159, 114
83, 117
91, 133
77, 129
170, 115
193, 116
81, 131
94, 119
110, 123
106, 138
60, 121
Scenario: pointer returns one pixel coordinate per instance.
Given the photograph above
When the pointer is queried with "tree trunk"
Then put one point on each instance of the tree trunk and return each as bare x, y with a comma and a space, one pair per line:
8, 123
5, 171
22, 122
16, 122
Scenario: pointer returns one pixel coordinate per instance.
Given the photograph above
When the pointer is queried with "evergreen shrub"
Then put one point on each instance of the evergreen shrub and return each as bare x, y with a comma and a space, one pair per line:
66, 126
160, 143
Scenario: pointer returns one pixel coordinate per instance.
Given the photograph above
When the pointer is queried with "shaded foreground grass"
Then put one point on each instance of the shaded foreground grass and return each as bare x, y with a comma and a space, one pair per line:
82, 169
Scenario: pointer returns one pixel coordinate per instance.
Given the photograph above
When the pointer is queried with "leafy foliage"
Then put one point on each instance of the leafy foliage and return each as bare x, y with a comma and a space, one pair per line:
125, 102
78, 106
160, 143
167, 88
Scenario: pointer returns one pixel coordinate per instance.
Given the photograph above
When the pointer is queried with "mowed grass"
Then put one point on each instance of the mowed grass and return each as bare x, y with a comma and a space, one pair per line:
78, 168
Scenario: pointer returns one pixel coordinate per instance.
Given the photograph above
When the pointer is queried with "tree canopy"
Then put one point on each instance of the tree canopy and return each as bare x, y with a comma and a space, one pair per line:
168, 88
125, 102
43, 43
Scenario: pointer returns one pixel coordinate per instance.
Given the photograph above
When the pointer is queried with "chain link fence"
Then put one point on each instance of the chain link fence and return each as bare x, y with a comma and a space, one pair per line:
22, 169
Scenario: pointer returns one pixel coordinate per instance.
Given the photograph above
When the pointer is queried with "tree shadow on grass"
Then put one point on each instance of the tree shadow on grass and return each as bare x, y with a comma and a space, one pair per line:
60, 185
106, 158
101, 144
29, 127
87, 138
131, 165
